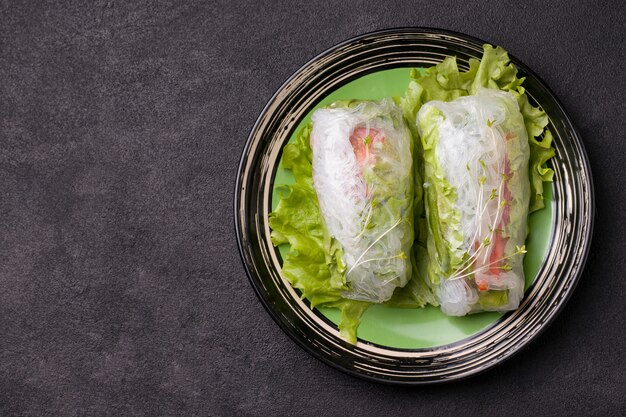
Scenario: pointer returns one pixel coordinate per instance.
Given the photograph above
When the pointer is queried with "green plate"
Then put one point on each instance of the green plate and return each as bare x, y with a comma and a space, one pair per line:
423, 327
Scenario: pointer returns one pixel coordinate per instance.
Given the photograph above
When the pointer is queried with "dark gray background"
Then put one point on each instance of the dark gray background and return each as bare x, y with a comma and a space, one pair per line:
121, 288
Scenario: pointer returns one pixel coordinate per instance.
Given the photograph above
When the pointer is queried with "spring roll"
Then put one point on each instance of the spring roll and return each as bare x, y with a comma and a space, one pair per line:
362, 174
477, 194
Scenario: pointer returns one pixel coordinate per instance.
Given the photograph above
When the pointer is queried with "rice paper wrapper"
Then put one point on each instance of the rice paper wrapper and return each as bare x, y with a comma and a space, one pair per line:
477, 194
362, 174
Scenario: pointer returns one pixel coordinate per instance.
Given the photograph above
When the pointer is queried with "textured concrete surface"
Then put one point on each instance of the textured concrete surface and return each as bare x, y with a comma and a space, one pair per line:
121, 289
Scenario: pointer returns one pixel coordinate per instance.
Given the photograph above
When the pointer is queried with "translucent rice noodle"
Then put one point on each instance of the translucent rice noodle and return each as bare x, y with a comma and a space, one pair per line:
362, 172
482, 153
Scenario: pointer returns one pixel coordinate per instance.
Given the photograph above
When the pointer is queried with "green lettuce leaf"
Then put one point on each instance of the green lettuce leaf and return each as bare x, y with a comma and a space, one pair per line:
313, 264
351, 312
444, 219
416, 293
446, 82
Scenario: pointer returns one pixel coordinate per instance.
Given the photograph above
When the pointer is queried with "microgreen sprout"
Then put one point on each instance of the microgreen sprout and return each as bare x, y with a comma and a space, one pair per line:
357, 263
401, 255
366, 223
